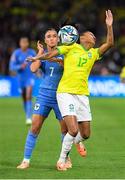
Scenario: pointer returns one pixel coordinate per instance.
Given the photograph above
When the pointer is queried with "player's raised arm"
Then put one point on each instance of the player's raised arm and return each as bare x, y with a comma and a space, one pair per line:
110, 37
44, 56
36, 64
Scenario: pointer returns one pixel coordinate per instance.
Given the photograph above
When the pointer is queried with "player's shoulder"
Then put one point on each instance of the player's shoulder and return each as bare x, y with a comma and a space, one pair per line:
94, 50
66, 46
76, 45
94, 53
31, 50
17, 51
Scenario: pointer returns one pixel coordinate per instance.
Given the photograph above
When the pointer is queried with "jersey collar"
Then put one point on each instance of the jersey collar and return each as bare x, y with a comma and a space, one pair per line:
83, 48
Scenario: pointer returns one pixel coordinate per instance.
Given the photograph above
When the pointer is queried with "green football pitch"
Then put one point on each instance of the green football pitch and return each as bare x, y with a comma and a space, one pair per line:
106, 147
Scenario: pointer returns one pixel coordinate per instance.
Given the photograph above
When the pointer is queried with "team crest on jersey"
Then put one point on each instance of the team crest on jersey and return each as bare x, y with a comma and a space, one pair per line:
89, 54
71, 108
37, 106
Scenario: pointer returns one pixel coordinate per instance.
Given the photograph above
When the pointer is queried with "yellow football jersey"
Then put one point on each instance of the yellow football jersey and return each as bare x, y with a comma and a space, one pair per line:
122, 74
78, 63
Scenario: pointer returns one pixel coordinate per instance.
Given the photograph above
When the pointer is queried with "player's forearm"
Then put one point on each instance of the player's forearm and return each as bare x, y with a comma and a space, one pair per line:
36, 64
15, 67
47, 55
109, 41
43, 56
110, 36
57, 60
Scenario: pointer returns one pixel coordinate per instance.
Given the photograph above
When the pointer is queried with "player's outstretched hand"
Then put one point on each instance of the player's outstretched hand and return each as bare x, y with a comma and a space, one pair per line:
40, 46
109, 18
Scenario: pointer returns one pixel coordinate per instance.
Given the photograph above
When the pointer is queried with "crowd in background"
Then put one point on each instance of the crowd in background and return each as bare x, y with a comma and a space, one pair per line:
30, 18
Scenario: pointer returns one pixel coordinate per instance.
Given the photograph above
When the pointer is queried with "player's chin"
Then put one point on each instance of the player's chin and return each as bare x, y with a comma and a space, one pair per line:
53, 45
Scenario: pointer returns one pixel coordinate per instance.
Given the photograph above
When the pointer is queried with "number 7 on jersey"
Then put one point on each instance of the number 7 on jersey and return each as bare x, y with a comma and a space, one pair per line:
51, 71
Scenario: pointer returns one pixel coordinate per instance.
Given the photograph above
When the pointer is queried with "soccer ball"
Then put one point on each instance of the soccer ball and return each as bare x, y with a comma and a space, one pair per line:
68, 35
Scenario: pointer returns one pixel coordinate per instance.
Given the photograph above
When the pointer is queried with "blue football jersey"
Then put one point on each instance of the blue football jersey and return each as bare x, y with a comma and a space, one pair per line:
18, 58
51, 75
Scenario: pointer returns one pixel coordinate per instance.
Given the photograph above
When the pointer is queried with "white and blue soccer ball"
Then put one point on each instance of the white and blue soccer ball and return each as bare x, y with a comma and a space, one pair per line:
68, 35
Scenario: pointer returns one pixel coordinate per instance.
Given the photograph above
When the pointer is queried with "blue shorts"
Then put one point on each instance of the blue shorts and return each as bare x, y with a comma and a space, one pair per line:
43, 108
24, 83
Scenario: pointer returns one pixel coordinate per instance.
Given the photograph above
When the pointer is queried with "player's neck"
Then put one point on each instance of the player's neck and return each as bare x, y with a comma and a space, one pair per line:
50, 48
87, 45
24, 49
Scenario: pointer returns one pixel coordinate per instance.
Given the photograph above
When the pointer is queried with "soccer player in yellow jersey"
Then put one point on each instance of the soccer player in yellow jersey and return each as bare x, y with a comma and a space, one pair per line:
72, 92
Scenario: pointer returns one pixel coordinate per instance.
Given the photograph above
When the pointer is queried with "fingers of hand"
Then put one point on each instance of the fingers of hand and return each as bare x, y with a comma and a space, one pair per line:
106, 14
29, 58
39, 45
38, 42
109, 14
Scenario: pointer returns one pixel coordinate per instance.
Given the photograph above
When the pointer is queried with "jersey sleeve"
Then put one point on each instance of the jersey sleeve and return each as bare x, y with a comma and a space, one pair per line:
63, 49
13, 65
61, 57
42, 66
96, 54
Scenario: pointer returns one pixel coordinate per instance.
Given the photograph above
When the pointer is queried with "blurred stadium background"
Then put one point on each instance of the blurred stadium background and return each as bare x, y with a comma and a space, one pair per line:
30, 18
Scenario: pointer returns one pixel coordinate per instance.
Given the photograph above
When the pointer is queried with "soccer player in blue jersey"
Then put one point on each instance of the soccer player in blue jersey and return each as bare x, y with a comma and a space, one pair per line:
25, 76
46, 99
